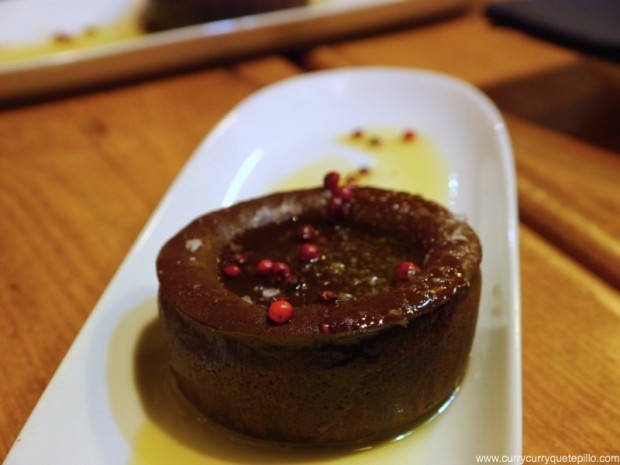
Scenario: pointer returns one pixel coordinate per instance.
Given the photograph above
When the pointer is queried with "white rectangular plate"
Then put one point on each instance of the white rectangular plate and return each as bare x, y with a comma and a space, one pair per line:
92, 412
107, 44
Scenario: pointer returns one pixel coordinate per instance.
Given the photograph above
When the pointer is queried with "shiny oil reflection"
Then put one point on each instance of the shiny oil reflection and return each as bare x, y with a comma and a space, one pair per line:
162, 428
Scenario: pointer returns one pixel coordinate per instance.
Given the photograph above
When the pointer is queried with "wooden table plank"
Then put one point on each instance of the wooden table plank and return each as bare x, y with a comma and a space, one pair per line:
465, 46
571, 354
79, 178
570, 192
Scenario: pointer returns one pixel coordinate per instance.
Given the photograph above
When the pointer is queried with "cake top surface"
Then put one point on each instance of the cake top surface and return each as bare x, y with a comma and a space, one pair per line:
341, 261
319, 262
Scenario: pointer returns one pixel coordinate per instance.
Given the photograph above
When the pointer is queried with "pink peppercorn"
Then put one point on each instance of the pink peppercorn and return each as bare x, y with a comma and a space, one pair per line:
280, 271
336, 205
264, 266
405, 270
306, 232
231, 270
356, 134
308, 252
325, 328
345, 193
331, 180
408, 135
328, 296
280, 311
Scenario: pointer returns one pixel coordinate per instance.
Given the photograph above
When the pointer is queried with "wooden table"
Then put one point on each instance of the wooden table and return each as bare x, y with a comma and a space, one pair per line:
81, 174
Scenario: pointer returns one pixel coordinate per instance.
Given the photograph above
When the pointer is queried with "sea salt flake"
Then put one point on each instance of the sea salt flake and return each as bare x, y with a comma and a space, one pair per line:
193, 244
270, 292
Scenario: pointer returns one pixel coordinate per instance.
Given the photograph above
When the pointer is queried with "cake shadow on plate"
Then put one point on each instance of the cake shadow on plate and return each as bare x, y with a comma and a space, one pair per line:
204, 441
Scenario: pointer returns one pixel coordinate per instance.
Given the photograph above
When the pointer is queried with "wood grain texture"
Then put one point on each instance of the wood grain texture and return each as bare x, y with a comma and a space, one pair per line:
79, 178
571, 354
570, 192
467, 47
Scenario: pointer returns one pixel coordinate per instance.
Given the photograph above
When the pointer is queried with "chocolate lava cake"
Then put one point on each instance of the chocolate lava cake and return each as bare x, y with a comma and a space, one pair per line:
331, 316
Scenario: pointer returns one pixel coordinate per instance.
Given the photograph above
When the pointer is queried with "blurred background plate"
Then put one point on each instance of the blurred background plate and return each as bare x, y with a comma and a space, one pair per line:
47, 48
589, 27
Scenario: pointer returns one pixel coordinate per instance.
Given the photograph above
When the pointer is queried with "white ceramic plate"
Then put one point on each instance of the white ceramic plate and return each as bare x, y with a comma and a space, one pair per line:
93, 412
106, 42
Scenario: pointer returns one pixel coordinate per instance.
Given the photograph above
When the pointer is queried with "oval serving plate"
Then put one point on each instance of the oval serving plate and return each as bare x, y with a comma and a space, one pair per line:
96, 410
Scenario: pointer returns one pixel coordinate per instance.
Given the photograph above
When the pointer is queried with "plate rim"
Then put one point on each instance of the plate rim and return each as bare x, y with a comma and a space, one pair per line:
154, 222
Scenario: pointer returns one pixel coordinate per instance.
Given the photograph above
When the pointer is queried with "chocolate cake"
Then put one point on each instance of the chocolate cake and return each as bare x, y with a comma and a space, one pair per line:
167, 14
326, 316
